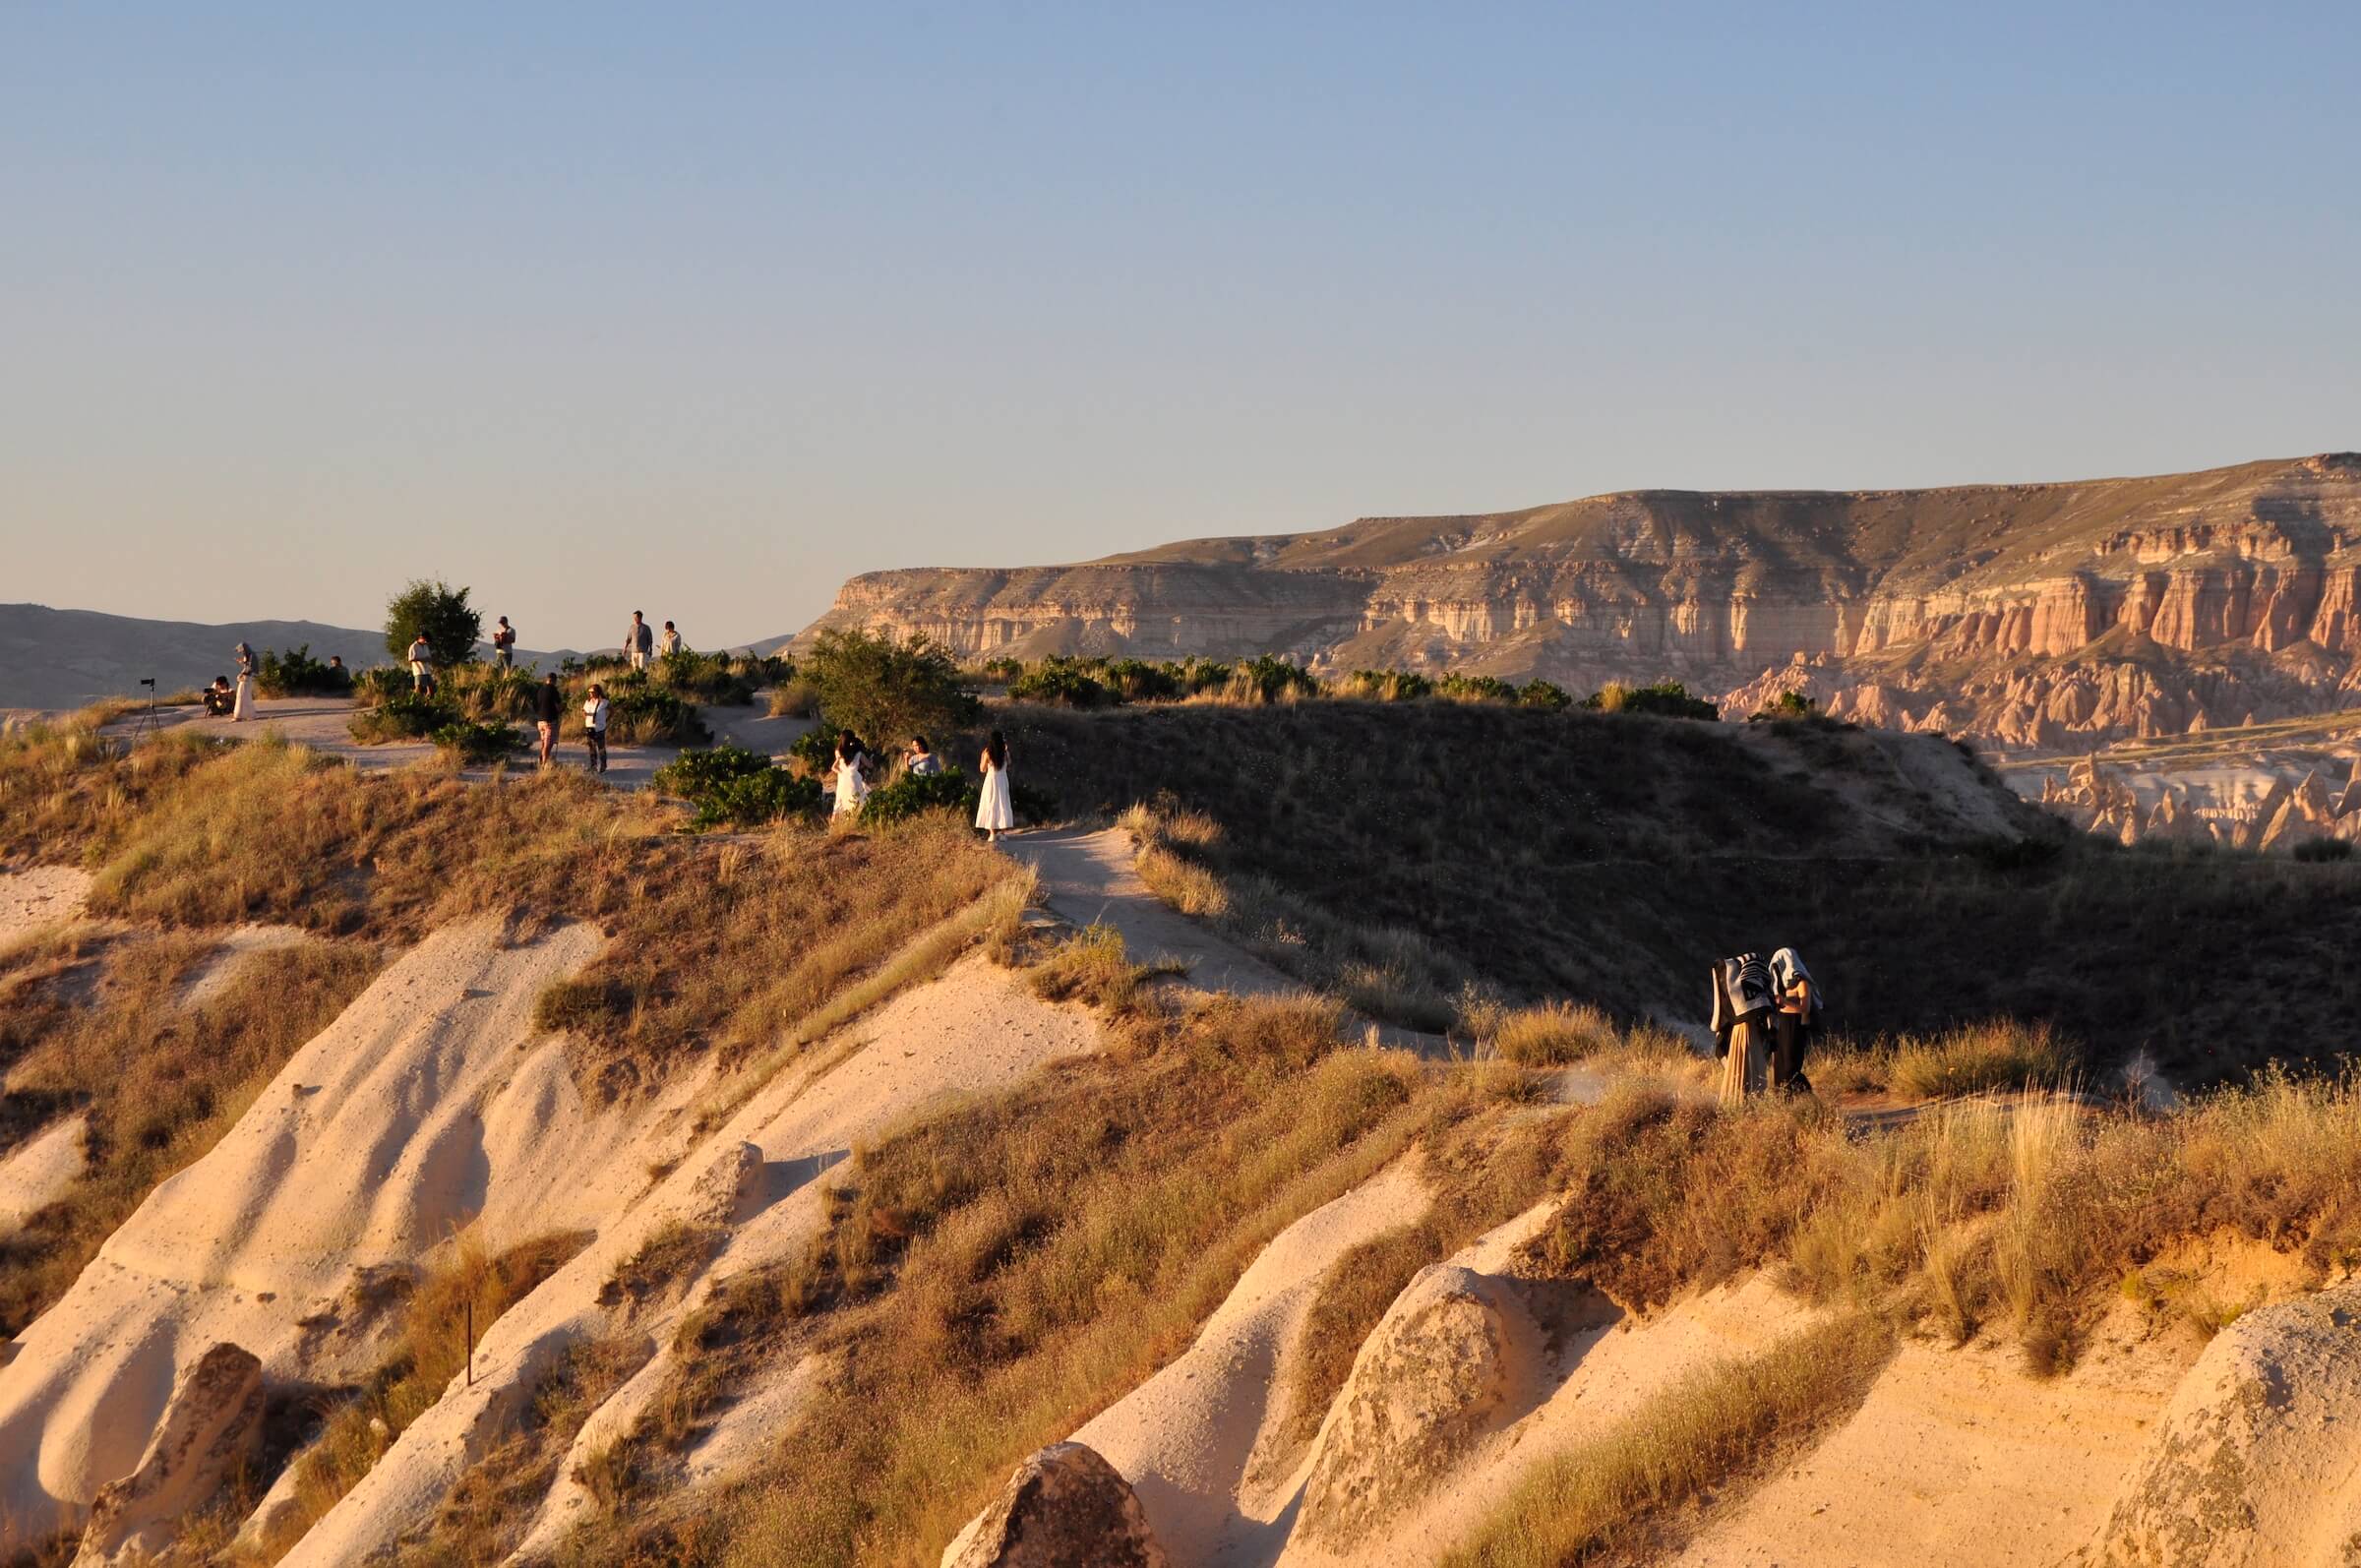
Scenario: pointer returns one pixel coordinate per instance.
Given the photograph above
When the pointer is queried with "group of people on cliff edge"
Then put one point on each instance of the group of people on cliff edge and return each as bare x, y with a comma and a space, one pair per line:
1764, 1016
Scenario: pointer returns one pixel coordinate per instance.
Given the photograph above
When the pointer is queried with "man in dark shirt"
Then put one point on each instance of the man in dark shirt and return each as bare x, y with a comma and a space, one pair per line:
546, 706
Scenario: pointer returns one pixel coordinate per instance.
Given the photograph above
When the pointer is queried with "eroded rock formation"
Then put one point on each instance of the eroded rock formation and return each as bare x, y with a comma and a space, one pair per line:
2253, 1464
213, 1421
2022, 615
1436, 1374
1064, 1507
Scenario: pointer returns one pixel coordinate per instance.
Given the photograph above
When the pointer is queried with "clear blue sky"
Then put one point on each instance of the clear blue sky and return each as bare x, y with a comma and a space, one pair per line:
700, 310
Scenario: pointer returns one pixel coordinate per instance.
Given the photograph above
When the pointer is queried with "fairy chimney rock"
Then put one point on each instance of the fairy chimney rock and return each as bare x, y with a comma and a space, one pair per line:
212, 1421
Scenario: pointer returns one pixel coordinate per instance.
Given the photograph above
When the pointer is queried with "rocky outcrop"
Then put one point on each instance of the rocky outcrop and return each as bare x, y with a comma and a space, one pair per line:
1439, 1372
1064, 1507
2254, 1465
213, 1422
2027, 613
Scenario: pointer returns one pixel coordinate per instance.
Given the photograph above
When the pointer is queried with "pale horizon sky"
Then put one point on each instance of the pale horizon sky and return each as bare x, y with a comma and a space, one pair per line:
701, 310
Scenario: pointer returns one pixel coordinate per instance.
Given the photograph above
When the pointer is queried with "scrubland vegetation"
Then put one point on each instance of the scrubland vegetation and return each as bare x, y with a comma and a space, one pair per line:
992, 1274
1399, 853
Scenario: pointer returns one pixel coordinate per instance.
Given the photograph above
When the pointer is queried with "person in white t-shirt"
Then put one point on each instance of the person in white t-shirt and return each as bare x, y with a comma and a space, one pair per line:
594, 727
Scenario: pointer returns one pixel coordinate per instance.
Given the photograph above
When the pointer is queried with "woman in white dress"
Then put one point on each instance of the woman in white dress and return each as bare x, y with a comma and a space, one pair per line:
241, 706
994, 813
852, 787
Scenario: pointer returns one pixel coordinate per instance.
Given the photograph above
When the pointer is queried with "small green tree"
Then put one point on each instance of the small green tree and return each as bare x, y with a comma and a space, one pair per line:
886, 691
439, 611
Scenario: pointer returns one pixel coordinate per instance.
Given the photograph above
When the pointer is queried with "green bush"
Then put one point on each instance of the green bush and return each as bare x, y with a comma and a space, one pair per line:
693, 776
1542, 694
438, 610
472, 742
641, 712
733, 787
711, 677
884, 689
815, 749
751, 800
914, 794
1138, 681
1068, 682
1786, 705
403, 717
1264, 679
1458, 688
296, 673
1668, 699
1385, 686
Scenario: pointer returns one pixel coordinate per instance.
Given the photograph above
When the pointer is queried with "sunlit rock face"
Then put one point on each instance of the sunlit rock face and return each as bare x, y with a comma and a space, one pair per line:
2029, 614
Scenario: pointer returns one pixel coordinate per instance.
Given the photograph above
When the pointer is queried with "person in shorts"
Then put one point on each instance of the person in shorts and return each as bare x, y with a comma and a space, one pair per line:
548, 703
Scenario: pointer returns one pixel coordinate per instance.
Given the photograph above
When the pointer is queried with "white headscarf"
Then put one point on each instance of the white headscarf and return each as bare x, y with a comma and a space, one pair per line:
1787, 969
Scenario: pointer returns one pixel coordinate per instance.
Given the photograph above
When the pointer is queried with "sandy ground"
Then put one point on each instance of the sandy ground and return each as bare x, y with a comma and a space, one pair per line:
323, 724
427, 1103
1958, 1459
36, 1172
973, 1030
38, 896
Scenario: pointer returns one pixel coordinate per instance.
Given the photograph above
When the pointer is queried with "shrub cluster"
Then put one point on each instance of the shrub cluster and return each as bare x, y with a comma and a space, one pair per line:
403, 716
1668, 699
474, 741
295, 673
1786, 705
1066, 681
733, 787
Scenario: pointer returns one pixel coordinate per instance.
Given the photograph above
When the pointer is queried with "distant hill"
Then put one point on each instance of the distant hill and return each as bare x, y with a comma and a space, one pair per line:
66, 659
2029, 614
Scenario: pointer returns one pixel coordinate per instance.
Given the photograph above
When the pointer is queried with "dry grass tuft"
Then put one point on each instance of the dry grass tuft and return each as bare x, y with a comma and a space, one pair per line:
429, 1350
1091, 966
1999, 1055
1716, 1425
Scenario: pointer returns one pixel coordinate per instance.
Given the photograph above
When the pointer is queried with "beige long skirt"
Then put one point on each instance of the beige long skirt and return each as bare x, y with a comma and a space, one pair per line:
1744, 1069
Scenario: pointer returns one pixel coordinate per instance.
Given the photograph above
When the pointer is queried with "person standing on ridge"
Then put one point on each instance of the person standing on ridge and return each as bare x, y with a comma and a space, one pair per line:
504, 645
852, 782
670, 643
1795, 1023
594, 727
548, 703
995, 813
639, 640
241, 706
1743, 1001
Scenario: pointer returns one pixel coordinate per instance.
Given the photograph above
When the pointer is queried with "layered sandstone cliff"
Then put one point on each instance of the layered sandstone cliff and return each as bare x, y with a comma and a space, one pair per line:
2025, 615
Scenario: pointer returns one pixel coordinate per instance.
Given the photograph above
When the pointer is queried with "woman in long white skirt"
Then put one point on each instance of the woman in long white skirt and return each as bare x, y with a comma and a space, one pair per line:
852, 785
993, 811
241, 706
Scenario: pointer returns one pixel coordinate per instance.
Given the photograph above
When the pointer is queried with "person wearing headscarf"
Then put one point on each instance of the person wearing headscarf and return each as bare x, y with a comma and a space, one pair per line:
1743, 1001
1797, 1017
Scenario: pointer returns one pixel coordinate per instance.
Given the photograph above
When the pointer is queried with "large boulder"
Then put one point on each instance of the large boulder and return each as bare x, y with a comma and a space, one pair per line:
2256, 1463
1065, 1507
212, 1421
1442, 1370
